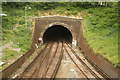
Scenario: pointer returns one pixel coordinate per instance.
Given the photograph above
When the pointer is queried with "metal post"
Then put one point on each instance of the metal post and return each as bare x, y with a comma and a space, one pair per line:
25, 16
26, 7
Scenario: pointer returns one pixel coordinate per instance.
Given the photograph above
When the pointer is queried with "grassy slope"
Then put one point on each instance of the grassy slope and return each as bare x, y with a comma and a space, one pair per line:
103, 42
102, 33
14, 30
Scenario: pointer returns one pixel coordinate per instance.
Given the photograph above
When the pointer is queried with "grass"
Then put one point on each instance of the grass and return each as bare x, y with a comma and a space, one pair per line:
8, 54
101, 33
15, 30
8, 57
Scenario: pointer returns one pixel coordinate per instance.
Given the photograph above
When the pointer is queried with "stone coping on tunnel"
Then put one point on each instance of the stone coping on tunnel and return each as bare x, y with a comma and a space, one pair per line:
57, 17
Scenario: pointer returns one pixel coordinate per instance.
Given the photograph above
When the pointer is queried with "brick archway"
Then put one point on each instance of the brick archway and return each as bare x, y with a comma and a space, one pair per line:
57, 23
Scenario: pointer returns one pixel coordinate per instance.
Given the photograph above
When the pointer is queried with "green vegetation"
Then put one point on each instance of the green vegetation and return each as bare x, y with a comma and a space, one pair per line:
10, 55
101, 32
100, 24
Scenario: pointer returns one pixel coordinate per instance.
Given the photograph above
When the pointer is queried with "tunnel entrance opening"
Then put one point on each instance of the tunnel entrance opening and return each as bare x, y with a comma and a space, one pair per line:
57, 33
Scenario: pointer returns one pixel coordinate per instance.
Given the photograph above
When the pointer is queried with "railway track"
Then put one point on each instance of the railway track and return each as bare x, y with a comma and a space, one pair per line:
89, 70
47, 63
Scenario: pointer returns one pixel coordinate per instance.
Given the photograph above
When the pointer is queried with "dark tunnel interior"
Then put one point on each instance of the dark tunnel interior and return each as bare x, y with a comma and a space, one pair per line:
57, 33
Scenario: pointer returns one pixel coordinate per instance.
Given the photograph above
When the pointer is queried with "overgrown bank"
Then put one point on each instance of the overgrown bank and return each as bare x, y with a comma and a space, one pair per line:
101, 32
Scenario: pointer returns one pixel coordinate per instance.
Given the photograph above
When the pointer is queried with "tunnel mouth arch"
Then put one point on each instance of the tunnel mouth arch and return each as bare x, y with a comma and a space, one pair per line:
57, 33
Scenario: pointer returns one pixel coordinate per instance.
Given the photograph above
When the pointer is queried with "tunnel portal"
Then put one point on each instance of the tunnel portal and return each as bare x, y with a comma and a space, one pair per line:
58, 28
57, 33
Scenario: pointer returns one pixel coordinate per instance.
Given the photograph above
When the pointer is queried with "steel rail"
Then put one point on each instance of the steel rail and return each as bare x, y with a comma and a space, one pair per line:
76, 63
50, 62
32, 63
58, 64
93, 73
38, 69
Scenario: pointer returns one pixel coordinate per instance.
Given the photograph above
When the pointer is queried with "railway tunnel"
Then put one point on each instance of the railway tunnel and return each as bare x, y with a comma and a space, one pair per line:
60, 28
57, 33
69, 29
56, 28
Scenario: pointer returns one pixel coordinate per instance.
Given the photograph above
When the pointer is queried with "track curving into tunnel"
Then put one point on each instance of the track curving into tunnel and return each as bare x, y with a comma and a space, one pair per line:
49, 59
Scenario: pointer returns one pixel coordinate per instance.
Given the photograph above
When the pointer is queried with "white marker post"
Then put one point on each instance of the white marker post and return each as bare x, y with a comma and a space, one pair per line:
74, 43
72, 71
36, 45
